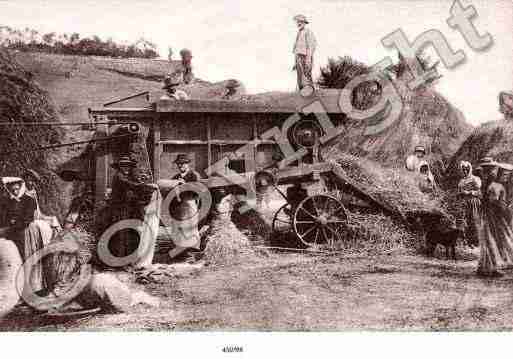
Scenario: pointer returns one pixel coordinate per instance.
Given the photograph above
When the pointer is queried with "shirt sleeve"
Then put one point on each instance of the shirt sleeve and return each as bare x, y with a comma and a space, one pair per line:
27, 213
195, 176
311, 41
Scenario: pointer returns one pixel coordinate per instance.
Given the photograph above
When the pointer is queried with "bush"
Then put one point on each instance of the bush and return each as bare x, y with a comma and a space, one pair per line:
72, 44
22, 100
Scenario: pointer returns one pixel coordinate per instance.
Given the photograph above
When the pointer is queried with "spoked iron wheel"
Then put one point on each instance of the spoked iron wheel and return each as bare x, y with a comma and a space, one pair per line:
319, 220
282, 221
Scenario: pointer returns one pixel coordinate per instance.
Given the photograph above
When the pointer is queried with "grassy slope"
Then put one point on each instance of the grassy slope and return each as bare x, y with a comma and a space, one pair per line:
99, 80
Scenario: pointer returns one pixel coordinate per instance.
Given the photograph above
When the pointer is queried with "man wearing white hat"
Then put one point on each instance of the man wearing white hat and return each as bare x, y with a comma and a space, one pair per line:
304, 49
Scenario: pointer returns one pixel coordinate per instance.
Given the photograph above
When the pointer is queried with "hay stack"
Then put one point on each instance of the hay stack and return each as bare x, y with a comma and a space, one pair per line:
377, 233
490, 139
22, 100
395, 187
226, 245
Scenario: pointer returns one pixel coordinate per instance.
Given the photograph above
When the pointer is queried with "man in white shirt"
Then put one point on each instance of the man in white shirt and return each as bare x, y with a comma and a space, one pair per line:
304, 49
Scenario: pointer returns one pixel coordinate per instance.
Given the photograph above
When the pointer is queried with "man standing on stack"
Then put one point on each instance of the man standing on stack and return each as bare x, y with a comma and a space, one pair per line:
304, 49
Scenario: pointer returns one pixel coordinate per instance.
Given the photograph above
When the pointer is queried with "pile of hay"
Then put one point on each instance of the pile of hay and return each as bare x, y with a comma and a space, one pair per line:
252, 223
226, 245
376, 234
490, 139
22, 100
395, 187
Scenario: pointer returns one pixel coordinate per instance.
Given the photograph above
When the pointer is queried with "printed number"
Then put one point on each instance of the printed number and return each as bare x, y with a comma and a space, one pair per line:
232, 349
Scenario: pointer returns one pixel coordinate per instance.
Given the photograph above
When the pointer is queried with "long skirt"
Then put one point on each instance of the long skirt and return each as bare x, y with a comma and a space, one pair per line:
304, 72
10, 263
497, 239
474, 219
29, 241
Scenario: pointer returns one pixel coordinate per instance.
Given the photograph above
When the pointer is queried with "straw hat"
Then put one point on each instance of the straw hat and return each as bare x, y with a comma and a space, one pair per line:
124, 161
9, 180
420, 149
505, 166
487, 162
173, 79
232, 84
301, 18
185, 52
182, 158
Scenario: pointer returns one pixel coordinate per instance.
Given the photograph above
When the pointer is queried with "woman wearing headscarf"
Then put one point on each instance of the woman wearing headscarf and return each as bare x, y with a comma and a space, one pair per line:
17, 213
427, 182
48, 225
497, 232
469, 189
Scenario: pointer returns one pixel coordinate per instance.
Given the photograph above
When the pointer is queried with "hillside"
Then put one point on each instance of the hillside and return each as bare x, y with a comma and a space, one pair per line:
76, 83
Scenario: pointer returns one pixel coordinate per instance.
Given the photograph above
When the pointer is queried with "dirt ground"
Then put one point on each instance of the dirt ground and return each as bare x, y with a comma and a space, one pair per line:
303, 292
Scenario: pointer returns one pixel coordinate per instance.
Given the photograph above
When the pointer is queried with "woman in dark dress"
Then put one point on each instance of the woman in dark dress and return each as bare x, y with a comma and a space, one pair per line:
17, 211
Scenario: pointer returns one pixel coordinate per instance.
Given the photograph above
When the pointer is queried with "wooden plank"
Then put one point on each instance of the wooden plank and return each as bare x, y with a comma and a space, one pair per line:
183, 142
120, 111
209, 106
141, 98
216, 142
289, 174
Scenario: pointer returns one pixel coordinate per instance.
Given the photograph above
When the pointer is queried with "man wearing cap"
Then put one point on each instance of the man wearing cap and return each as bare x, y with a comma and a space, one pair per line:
413, 161
171, 82
186, 212
185, 174
231, 89
488, 168
304, 49
129, 199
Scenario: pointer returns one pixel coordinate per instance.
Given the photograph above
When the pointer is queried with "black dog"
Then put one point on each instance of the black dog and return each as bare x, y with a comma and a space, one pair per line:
448, 239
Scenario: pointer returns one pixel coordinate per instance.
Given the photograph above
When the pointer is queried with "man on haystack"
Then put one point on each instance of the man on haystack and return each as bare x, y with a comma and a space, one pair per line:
186, 66
171, 83
304, 49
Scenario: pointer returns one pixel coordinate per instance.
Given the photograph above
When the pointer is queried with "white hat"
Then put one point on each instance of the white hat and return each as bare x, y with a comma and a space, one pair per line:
7, 180
301, 18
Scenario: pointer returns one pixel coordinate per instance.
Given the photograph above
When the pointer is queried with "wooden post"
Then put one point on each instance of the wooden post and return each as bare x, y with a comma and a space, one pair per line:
157, 149
209, 141
102, 168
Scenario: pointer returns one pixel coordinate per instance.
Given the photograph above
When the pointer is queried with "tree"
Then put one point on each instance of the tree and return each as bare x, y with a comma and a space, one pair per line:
74, 38
339, 72
48, 39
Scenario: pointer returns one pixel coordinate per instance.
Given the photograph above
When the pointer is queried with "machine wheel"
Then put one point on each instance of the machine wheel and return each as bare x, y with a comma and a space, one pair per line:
320, 220
282, 221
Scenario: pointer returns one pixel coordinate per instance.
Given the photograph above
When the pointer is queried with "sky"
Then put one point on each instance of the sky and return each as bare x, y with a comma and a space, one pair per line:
252, 40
